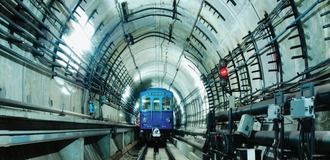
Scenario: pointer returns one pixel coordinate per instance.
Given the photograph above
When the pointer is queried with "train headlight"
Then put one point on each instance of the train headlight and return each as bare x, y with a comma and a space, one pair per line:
168, 120
145, 120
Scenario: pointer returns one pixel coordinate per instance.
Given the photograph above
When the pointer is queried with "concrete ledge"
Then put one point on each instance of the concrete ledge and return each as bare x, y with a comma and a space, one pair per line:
193, 156
184, 148
174, 152
53, 117
13, 138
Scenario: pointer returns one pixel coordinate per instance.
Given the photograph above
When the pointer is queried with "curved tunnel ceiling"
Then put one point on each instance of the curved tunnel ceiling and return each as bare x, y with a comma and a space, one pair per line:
159, 40
155, 38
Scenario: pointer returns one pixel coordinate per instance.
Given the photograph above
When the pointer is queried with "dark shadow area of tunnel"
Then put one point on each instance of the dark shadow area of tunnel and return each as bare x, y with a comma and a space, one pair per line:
33, 150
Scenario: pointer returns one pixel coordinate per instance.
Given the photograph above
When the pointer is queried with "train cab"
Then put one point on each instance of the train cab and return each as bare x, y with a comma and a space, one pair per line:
156, 113
156, 109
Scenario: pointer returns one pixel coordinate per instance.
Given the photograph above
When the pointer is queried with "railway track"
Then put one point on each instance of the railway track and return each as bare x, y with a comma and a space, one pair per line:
165, 153
161, 155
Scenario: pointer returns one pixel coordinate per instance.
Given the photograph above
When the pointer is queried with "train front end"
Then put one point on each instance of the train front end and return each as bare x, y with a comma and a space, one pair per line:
156, 112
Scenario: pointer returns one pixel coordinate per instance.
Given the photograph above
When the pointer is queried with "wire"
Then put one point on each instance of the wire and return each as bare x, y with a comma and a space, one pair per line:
291, 122
272, 89
264, 157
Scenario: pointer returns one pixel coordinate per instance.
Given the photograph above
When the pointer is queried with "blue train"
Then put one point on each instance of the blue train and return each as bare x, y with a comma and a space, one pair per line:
156, 113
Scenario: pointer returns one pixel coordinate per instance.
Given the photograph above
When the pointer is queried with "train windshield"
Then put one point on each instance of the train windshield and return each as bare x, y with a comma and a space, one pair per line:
166, 103
146, 103
156, 104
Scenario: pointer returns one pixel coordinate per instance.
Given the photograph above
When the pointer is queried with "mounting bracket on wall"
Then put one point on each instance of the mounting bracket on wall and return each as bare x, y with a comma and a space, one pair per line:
309, 88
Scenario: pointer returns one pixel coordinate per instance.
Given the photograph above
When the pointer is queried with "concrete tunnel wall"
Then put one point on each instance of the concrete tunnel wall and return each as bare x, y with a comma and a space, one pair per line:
23, 83
19, 81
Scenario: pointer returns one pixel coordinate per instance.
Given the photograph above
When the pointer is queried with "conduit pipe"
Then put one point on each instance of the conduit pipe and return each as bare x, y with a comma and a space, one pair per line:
22, 105
39, 32
37, 66
322, 96
33, 40
291, 140
26, 21
25, 8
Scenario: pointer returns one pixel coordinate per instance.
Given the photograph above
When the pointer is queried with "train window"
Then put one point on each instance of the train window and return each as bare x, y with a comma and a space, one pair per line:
166, 103
156, 104
146, 103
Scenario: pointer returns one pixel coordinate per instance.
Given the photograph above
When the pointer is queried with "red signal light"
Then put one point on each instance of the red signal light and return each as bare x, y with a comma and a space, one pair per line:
224, 72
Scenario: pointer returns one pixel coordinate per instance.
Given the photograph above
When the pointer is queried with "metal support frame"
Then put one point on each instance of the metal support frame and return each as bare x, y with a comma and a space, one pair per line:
301, 35
322, 93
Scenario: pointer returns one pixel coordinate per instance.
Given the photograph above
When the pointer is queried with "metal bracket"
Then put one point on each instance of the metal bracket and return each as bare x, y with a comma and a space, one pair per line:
305, 88
279, 98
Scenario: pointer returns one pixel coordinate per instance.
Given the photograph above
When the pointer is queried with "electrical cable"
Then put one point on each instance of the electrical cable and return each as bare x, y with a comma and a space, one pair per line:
271, 89
265, 155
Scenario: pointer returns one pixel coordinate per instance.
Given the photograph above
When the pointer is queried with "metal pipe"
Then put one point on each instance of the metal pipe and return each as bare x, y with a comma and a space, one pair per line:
28, 37
291, 140
26, 9
19, 43
153, 8
22, 105
41, 34
253, 109
26, 21
37, 66
45, 10
27, 61
322, 96
142, 153
68, 9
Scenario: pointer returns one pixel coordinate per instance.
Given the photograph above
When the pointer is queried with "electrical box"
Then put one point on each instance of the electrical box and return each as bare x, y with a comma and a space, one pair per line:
302, 108
273, 112
245, 125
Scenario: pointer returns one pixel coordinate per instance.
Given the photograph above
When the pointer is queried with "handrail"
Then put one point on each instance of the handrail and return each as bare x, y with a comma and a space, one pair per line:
18, 104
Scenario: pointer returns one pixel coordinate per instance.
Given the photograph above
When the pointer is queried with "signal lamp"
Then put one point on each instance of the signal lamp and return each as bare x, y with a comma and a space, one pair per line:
223, 72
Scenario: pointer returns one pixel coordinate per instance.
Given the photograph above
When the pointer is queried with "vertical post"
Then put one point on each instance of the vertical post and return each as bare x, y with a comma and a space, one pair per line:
279, 100
282, 138
123, 140
312, 138
230, 124
276, 131
104, 145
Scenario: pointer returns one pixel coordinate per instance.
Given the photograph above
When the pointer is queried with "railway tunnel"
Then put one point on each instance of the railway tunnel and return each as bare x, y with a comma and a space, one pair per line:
71, 73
